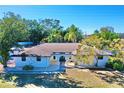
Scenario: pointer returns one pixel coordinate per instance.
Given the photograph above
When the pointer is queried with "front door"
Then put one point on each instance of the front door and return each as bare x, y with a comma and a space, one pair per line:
62, 61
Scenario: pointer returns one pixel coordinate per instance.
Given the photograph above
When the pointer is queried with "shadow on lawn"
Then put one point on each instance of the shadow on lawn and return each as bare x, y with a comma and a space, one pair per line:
117, 78
47, 81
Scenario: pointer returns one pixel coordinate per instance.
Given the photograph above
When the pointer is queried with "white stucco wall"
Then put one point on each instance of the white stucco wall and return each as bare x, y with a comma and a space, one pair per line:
32, 61
67, 56
45, 61
102, 62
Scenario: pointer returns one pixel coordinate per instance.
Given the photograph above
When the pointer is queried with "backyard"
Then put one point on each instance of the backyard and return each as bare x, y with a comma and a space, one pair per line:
73, 78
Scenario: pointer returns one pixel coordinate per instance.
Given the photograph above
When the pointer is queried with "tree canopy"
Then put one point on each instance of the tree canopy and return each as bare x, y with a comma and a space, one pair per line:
12, 30
55, 36
73, 34
105, 39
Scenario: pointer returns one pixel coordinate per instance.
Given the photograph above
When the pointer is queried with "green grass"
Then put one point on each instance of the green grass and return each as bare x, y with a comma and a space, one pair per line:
5, 84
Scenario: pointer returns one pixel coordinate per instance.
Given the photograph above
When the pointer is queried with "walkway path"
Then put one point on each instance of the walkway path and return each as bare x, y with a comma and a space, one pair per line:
32, 86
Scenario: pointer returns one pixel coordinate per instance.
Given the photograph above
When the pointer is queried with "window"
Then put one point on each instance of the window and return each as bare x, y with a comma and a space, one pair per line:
100, 57
54, 57
38, 58
23, 58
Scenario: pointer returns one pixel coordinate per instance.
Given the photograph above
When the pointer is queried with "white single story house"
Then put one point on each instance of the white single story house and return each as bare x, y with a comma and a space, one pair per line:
50, 56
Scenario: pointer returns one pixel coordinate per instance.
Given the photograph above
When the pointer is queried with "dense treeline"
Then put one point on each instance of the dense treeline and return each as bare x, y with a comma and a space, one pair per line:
42, 30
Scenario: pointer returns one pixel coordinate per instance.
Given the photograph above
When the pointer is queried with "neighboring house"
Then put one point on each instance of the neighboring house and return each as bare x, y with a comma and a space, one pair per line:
25, 44
20, 47
47, 55
15, 51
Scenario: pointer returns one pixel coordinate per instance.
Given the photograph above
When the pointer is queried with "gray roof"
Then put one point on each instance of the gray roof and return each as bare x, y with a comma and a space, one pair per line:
99, 52
47, 49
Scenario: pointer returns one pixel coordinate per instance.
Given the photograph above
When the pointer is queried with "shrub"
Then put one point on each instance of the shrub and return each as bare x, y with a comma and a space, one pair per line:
118, 65
28, 67
1, 62
109, 64
10, 77
115, 64
77, 63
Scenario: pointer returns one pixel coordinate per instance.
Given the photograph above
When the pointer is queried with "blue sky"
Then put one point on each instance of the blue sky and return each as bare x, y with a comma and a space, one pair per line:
87, 18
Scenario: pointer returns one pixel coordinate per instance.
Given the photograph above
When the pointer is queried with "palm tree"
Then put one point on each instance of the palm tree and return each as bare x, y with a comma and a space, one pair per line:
72, 34
55, 36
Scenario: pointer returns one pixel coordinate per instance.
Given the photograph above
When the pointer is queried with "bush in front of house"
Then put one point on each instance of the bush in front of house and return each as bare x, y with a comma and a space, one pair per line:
28, 67
118, 65
109, 64
115, 64
10, 77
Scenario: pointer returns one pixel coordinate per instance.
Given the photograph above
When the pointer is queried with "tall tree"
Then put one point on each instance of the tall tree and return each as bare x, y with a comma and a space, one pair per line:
12, 30
35, 30
55, 36
96, 32
73, 34
107, 35
49, 25
105, 39
117, 47
88, 49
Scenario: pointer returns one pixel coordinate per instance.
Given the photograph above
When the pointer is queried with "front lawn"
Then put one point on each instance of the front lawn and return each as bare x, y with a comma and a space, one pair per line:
73, 78
5, 84
88, 79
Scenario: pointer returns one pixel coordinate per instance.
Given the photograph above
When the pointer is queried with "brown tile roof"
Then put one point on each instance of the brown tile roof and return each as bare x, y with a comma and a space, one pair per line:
46, 49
